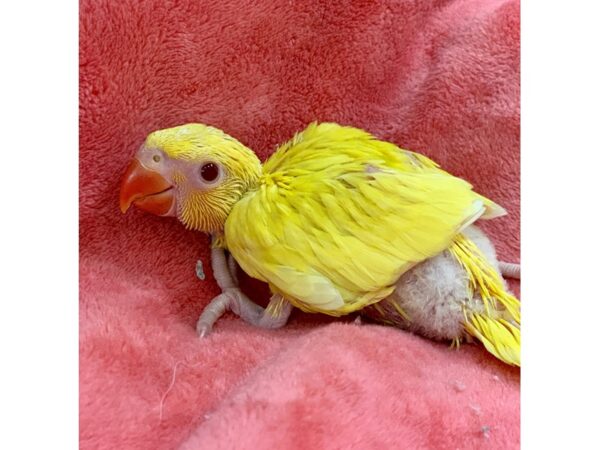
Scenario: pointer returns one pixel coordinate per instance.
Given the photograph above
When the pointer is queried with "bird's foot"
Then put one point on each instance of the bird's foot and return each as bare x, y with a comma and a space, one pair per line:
214, 310
225, 273
233, 299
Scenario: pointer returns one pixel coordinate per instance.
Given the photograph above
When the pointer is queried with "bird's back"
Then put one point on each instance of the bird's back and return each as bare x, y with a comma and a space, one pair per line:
338, 216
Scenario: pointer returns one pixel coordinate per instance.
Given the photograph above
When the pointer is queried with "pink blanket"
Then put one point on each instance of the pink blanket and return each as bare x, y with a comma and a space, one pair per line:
440, 77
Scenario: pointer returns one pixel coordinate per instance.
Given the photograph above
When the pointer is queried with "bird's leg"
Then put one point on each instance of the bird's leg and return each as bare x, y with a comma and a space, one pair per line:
232, 265
232, 299
222, 269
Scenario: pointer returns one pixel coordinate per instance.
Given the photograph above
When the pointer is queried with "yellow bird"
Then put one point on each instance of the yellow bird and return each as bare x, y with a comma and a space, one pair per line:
335, 221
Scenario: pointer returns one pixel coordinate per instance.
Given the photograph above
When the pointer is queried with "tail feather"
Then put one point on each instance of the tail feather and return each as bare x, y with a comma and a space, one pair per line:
499, 336
492, 210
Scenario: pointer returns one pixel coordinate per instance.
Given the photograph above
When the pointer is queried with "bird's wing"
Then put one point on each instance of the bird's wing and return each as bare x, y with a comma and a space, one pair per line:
339, 216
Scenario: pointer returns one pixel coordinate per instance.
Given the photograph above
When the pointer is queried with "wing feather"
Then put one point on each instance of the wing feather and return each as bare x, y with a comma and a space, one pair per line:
339, 216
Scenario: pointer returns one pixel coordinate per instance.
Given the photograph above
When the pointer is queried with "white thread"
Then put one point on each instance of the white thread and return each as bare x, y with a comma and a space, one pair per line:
173, 377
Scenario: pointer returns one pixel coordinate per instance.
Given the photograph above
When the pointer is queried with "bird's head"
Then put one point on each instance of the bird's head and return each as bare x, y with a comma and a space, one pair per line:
194, 172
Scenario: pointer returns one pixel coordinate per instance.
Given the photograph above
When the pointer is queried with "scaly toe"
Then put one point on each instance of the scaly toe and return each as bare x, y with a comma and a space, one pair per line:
212, 312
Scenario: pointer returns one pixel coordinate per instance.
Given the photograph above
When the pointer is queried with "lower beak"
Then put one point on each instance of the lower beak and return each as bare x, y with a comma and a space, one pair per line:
146, 189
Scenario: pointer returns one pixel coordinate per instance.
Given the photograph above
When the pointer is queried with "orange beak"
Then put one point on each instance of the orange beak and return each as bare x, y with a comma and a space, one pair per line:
146, 189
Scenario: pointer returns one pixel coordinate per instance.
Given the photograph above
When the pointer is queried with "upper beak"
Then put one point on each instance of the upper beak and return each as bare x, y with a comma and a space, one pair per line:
147, 189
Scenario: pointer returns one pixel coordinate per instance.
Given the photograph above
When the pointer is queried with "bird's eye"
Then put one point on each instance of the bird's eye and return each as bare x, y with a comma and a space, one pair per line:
156, 158
209, 171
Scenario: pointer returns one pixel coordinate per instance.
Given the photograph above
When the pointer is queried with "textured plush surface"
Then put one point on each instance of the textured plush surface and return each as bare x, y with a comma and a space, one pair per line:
437, 77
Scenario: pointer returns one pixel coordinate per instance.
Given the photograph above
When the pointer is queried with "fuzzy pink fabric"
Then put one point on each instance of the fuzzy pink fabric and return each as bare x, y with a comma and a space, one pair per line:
440, 77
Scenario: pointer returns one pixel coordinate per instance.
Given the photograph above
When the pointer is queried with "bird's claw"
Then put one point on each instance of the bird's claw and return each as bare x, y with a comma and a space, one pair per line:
215, 309
203, 330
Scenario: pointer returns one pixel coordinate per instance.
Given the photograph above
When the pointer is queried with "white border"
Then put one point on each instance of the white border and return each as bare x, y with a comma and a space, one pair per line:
39, 248
561, 225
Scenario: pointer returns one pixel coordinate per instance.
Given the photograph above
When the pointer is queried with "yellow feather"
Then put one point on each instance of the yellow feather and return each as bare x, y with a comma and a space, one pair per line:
400, 311
341, 213
500, 337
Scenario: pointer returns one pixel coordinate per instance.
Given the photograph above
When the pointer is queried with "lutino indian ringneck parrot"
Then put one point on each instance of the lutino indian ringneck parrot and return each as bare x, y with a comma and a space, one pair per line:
335, 221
